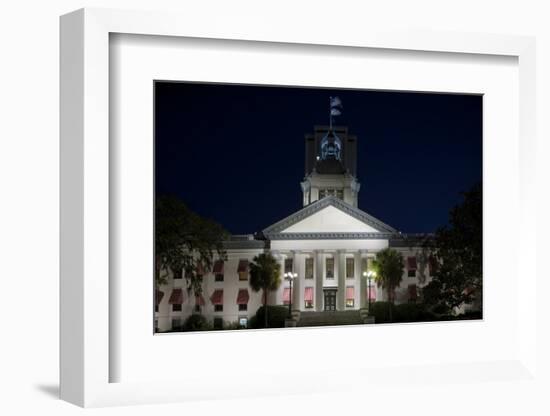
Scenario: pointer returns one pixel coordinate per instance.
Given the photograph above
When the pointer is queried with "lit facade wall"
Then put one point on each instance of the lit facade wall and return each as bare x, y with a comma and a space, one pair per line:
297, 250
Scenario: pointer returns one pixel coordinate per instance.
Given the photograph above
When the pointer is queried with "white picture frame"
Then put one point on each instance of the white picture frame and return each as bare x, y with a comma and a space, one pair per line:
86, 356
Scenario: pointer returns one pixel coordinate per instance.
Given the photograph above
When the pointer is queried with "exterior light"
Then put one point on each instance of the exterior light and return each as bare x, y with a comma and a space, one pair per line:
290, 276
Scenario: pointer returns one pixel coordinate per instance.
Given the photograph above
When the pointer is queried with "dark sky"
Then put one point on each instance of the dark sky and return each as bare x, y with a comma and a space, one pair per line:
235, 153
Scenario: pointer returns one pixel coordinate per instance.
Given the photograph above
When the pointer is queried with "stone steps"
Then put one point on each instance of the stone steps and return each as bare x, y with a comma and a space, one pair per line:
330, 318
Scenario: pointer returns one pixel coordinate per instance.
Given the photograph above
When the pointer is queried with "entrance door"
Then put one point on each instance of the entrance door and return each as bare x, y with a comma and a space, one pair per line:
330, 300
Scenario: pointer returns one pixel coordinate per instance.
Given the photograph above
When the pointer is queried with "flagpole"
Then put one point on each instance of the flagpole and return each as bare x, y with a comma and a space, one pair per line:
330, 112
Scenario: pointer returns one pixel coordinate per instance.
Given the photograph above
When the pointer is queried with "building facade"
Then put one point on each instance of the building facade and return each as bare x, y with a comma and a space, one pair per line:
329, 244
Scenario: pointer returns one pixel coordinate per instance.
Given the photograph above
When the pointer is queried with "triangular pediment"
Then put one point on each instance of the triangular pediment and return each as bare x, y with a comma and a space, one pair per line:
330, 220
328, 216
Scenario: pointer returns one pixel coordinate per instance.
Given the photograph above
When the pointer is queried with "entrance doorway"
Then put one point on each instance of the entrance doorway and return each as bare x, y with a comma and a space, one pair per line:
330, 300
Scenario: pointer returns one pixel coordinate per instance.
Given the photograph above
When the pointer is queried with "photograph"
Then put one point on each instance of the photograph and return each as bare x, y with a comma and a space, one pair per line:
281, 207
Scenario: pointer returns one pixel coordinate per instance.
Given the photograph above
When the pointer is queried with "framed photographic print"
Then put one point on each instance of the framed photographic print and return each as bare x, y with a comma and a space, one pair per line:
227, 152
336, 204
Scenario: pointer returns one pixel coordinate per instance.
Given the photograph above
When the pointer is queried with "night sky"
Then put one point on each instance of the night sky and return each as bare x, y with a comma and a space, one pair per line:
235, 153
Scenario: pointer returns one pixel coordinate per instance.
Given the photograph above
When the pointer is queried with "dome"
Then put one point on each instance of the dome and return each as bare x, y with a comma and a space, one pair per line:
331, 146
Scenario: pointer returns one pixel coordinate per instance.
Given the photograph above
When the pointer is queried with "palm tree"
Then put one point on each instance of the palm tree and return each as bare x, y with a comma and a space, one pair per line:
265, 274
389, 267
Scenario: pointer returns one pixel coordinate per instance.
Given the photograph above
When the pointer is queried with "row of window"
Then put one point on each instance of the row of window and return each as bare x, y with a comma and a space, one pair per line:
242, 269
218, 271
329, 267
338, 193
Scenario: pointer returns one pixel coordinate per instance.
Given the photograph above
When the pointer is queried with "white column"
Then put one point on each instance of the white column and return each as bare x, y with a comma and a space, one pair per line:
359, 285
318, 305
297, 291
340, 258
276, 297
363, 302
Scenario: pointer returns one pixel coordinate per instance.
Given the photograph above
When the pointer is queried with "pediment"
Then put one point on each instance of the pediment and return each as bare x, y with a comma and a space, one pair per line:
329, 215
330, 220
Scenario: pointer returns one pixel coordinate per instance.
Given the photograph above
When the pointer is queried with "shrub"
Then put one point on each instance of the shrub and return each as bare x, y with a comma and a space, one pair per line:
276, 316
380, 311
409, 312
234, 325
470, 315
403, 312
196, 322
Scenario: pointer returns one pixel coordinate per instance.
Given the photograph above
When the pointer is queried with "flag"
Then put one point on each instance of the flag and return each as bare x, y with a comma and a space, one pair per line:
335, 102
335, 106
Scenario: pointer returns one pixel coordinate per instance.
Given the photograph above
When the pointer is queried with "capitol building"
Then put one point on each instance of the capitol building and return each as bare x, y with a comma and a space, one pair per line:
327, 245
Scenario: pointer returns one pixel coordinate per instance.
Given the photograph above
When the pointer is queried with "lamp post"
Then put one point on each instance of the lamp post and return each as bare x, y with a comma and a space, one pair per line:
290, 277
368, 275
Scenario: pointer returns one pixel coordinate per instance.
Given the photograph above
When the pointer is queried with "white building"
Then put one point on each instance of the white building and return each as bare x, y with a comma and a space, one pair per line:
328, 243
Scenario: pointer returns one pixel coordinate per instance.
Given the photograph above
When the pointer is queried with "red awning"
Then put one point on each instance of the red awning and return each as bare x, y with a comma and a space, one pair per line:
243, 297
308, 294
286, 295
411, 263
243, 266
199, 300
372, 292
217, 297
176, 298
350, 292
218, 267
412, 292
158, 296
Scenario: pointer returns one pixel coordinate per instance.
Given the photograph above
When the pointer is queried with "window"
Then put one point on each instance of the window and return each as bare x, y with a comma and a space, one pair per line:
308, 297
350, 266
243, 322
340, 193
242, 269
218, 270
218, 323
176, 323
198, 308
350, 297
243, 307
286, 296
176, 307
156, 308
217, 300
309, 268
372, 293
322, 193
178, 273
330, 267
330, 192
412, 293
288, 265
218, 277
411, 266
